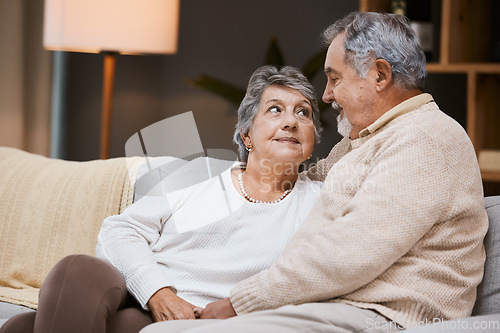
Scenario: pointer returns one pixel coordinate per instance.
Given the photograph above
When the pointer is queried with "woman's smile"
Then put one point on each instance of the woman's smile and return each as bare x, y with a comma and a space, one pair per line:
288, 140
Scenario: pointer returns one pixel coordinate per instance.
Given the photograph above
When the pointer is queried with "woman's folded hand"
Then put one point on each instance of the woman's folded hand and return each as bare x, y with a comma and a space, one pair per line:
218, 310
166, 305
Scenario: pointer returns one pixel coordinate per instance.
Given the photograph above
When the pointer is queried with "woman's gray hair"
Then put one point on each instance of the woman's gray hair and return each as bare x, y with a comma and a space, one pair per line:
369, 36
262, 78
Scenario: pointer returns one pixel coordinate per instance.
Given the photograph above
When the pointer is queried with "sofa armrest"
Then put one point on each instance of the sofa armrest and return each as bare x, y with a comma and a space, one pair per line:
488, 292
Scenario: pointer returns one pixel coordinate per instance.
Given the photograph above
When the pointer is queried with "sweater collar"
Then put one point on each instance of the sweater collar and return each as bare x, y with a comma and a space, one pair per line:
400, 109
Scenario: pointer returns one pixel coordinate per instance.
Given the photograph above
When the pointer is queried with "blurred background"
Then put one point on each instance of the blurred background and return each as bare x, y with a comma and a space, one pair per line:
225, 39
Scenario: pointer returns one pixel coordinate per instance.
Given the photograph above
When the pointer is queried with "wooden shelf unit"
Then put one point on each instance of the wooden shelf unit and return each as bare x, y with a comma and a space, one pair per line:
466, 48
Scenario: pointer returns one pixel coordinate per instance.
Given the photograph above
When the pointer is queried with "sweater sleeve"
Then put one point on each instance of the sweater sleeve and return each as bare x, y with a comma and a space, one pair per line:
125, 240
354, 234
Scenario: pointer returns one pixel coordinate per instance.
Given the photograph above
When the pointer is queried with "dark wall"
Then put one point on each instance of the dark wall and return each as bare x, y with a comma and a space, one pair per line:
223, 38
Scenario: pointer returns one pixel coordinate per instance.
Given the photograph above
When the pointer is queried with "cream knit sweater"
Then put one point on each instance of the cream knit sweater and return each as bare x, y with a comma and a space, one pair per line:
398, 227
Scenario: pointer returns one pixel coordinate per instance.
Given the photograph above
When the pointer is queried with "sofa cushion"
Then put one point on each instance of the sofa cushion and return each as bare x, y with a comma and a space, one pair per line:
488, 293
50, 209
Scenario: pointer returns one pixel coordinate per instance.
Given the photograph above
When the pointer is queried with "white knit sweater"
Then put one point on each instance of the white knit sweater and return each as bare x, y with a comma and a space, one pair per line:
398, 226
200, 240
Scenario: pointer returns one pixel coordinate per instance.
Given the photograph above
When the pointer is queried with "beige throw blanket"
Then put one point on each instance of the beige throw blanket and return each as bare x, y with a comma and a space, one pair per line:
50, 209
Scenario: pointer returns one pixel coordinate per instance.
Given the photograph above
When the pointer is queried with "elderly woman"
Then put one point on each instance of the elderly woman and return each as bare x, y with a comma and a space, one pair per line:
167, 262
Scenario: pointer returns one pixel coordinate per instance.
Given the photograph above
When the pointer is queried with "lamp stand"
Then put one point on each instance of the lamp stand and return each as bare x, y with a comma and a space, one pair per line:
58, 106
107, 101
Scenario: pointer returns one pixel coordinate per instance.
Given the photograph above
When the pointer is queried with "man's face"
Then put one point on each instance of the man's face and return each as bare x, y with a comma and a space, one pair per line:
354, 96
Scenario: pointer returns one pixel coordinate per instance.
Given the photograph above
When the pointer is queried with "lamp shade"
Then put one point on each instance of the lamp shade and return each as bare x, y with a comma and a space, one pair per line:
124, 26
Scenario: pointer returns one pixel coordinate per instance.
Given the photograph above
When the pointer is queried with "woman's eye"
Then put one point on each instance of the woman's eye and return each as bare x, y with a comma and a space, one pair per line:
274, 109
303, 112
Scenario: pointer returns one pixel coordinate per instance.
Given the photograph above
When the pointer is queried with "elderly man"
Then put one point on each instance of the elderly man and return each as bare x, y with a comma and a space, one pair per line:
395, 239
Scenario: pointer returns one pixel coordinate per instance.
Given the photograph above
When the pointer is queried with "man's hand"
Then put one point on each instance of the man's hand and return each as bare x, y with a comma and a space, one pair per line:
218, 310
166, 305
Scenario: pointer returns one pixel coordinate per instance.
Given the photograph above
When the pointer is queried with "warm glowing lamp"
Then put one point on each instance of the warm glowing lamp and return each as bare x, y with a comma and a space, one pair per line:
111, 27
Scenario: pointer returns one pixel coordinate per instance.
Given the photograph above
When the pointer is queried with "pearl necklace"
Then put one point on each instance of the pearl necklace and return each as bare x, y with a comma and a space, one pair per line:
249, 198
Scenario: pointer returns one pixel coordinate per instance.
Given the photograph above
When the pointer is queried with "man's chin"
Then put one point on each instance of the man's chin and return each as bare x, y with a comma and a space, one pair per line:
344, 127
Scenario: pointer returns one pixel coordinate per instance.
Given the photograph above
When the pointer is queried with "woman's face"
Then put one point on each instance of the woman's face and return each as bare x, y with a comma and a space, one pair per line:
283, 129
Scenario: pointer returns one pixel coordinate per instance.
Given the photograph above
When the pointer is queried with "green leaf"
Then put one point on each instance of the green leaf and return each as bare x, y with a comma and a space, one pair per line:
224, 89
314, 65
274, 55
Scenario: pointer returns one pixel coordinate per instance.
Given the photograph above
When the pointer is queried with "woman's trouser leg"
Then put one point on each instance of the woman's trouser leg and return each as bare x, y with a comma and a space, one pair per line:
78, 296
129, 320
22, 323
82, 294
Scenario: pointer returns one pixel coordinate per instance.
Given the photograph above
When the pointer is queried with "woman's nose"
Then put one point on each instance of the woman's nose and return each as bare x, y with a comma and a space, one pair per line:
289, 121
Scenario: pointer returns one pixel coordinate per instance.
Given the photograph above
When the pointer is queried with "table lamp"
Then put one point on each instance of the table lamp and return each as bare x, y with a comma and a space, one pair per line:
111, 27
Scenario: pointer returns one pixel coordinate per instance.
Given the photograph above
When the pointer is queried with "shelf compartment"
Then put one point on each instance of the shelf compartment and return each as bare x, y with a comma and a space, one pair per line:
492, 67
487, 111
490, 176
375, 5
466, 31
453, 104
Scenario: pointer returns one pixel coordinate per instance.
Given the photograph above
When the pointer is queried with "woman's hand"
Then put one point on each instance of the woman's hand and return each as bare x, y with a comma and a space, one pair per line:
166, 305
218, 310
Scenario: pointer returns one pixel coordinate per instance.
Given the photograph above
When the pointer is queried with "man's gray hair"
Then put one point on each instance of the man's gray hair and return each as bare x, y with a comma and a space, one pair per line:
262, 78
369, 36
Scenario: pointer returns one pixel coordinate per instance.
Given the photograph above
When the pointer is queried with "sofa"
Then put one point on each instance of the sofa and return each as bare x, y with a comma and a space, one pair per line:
52, 208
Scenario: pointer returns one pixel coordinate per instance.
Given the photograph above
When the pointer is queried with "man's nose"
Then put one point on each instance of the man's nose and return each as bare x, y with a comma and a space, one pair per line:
328, 95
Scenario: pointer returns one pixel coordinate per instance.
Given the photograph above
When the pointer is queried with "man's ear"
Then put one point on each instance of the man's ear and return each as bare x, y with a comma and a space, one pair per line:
384, 74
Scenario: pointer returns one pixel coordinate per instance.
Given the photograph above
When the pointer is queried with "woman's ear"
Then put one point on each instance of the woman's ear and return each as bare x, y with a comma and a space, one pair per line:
246, 139
384, 74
